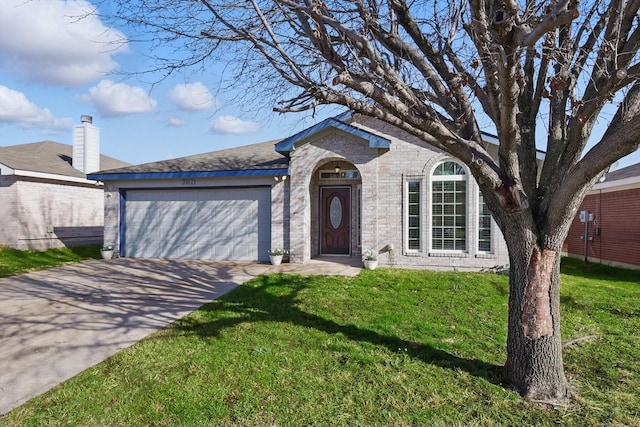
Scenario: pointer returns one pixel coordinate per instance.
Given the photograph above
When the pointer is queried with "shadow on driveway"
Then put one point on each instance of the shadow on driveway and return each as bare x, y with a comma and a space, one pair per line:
56, 323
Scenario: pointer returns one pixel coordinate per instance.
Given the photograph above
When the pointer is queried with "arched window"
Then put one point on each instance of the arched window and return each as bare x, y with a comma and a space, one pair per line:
449, 207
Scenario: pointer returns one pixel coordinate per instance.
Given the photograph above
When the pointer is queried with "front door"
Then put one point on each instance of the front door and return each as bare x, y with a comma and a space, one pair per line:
335, 218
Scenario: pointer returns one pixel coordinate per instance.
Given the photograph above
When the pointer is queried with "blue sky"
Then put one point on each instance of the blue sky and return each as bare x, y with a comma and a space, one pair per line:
55, 67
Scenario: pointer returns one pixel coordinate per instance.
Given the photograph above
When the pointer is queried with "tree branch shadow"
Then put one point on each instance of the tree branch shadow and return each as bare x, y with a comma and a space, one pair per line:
257, 302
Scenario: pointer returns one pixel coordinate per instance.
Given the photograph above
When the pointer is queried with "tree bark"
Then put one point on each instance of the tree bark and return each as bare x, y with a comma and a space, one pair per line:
534, 364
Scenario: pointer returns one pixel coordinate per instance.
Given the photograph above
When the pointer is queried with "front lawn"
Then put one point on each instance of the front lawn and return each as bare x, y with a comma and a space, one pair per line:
389, 347
14, 262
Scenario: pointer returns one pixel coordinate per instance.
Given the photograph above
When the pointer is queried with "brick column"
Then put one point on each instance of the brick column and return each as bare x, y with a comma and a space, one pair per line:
300, 209
280, 214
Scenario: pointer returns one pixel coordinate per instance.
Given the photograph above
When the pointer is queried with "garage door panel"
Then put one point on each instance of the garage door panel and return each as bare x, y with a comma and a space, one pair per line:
218, 224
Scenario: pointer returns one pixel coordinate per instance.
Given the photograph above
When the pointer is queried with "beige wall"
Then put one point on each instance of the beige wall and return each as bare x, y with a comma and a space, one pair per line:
42, 214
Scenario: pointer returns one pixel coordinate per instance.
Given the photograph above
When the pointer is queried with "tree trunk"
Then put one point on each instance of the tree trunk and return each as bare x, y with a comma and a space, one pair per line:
534, 347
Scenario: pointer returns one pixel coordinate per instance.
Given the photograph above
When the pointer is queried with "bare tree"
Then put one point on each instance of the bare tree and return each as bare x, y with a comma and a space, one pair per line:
443, 71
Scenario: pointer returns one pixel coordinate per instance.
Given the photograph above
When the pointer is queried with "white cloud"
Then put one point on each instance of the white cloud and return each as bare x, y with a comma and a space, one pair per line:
119, 99
234, 125
175, 121
16, 109
192, 97
56, 42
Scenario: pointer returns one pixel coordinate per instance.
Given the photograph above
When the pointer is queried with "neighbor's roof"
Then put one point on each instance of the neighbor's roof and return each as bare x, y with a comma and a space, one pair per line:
628, 177
249, 160
48, 157
624, 173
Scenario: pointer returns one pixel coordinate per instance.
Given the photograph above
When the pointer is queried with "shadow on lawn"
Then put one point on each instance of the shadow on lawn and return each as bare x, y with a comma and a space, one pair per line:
260, 302
597, 271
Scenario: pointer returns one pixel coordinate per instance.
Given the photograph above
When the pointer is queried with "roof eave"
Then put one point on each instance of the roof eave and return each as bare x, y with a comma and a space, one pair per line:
187, 174
53, 177
633, 181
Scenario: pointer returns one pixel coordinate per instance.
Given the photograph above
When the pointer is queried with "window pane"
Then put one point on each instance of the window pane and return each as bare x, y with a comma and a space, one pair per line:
484, 226
413, 215
448, 168
449, 207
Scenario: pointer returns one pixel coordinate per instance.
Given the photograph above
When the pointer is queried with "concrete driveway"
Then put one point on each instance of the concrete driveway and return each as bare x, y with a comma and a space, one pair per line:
56, 323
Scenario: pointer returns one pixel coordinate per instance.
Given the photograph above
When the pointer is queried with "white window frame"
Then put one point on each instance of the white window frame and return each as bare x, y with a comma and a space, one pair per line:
443, 178
421, 215
359, 216
480, 198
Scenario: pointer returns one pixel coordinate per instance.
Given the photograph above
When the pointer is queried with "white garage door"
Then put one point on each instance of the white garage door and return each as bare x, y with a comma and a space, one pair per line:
217, 224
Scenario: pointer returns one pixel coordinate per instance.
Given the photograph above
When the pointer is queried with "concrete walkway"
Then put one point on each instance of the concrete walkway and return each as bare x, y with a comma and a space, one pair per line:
56, 323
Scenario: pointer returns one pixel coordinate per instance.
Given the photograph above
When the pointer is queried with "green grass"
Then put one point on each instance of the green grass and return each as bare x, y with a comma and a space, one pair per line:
14, 262
389, 347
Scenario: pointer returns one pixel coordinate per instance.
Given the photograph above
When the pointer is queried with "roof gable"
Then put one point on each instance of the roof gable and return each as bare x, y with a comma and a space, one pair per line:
287, 145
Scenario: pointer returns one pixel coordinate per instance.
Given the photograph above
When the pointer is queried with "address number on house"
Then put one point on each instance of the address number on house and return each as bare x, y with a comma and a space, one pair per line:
189, 181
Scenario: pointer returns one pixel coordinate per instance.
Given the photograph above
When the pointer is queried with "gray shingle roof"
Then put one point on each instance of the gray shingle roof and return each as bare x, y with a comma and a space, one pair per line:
628, 172
48, 157
261, 156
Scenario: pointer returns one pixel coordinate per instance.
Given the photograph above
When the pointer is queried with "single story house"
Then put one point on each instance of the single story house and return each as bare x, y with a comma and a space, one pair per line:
341, 187
47, 200
609, 218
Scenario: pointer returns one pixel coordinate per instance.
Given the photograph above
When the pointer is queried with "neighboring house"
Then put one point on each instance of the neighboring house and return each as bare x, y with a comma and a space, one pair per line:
46, 199
343, 186
613, 233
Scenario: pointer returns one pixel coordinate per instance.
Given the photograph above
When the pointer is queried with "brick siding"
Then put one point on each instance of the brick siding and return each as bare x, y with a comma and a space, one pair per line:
614, 236
383, 173
382, 179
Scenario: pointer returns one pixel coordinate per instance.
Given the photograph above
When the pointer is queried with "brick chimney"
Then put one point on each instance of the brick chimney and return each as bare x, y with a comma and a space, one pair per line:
86, 146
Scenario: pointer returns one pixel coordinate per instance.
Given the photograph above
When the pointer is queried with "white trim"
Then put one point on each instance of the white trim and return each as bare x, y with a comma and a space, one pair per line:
55, 177
617, 185
6, 170
492, 227
359, 216
405, 203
